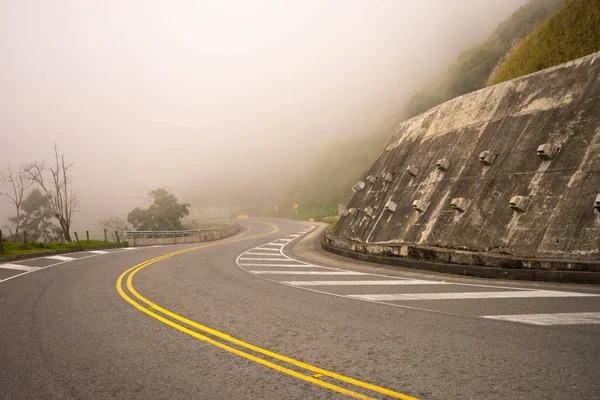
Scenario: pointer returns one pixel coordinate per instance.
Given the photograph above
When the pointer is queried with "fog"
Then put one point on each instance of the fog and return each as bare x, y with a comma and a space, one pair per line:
220, 98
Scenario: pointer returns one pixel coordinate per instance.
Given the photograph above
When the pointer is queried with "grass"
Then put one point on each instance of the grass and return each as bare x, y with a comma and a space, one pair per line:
332, 220
10, 248
573, 32
472, 69
329, 179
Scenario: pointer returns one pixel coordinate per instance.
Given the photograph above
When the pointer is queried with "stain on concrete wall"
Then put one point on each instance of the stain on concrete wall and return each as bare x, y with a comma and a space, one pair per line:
559, 107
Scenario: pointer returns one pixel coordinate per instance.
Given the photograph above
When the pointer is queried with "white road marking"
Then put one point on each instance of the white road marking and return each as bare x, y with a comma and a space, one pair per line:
240, 234
469, 295
365, 283
308, 272
18, 267
279, 265
583, 318
60, 258
511, 293
260, 254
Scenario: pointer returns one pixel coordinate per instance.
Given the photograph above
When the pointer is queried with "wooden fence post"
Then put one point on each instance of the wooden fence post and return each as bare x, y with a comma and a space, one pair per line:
105, 237
25, 238
87, 236
76, 237
117, 235
1, 243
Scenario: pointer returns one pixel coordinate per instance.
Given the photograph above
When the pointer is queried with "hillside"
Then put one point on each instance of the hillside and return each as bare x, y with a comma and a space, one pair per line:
335, 169
571, 33
472, 69
330, 178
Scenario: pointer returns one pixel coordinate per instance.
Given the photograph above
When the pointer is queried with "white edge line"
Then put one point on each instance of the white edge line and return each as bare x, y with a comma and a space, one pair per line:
552, 319
48, 266
83, 258
341, 295
366, 300
279, 265
241, 234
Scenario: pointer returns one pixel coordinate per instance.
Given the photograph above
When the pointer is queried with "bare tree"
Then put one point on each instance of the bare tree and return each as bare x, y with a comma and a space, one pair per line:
62, 199
10, 227
14, 185
112, 225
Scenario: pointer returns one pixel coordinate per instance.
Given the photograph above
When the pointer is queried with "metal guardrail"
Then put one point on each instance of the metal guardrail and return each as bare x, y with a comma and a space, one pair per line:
169, 234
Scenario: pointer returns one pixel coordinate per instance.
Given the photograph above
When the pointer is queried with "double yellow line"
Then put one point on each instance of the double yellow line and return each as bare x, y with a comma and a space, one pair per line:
155, 311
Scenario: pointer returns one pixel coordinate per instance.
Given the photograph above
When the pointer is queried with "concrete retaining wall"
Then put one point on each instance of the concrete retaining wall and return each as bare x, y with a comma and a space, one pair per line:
559, 106
204, 236
426, 260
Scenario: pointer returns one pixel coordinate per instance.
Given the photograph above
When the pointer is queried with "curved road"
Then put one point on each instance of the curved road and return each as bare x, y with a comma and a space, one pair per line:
251, 318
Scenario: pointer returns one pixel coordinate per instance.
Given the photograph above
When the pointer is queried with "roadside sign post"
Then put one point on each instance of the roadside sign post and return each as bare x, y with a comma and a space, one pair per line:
295, 208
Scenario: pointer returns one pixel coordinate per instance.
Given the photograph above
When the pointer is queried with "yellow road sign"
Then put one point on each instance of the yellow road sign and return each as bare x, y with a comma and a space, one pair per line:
295, 205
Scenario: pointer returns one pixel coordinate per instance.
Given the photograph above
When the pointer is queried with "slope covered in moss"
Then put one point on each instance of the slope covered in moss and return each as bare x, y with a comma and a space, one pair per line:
334, 170
472, 69
571, 33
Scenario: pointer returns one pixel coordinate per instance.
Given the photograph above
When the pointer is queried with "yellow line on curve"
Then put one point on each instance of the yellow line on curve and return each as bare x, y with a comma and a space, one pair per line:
238, 342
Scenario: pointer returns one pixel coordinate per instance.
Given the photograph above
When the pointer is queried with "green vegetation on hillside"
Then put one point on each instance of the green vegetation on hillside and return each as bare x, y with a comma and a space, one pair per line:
472, 69
332, 220
329, 181
10, 248
330, 178
571, 33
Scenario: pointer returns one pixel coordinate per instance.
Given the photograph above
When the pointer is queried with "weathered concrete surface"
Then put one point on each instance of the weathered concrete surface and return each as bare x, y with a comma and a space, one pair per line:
204, 236
560, 106
483, 265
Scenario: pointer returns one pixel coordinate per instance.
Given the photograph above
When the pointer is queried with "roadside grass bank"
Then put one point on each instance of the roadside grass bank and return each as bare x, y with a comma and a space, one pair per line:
332, 220
573, 32
12, 249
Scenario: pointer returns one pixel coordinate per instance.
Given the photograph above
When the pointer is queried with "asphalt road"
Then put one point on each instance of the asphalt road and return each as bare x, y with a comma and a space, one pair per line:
254, 317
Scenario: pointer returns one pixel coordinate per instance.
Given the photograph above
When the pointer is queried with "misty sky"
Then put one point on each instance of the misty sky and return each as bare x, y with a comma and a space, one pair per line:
141, 94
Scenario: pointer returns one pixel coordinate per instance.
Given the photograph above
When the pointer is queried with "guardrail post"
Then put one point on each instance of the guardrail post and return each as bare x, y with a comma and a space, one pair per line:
117, 235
